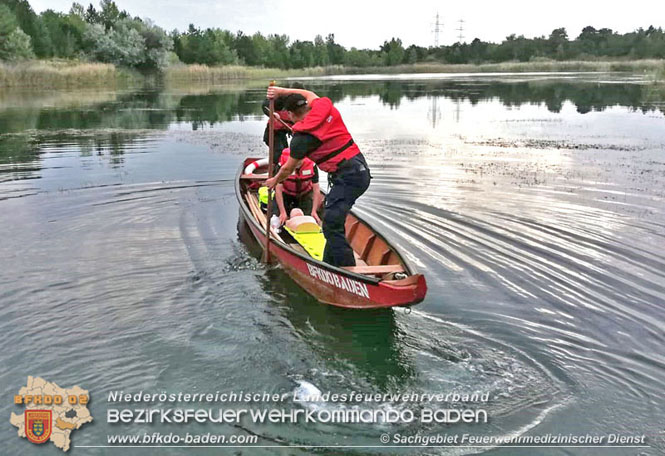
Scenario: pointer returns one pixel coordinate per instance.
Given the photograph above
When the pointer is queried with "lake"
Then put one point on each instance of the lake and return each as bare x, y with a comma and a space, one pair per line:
533, 203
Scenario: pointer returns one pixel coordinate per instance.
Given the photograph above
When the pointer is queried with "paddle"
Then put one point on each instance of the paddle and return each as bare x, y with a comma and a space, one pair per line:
271, 147
285, 124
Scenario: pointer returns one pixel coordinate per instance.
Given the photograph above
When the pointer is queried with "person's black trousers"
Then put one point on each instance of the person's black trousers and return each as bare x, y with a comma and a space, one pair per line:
348, 183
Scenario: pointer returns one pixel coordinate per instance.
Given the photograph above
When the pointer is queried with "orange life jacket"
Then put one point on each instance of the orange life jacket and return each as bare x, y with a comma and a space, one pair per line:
300, 181
325, 123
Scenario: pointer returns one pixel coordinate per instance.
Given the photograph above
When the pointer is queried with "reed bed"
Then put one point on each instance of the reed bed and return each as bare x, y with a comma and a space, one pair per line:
72, 74
224, 74
55, 74
538, 65
221, 74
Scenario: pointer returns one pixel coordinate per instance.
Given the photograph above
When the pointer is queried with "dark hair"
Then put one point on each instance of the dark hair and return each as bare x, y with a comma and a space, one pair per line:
295, 103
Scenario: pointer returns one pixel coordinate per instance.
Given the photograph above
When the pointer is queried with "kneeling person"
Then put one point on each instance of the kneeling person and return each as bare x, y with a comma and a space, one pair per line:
299, 190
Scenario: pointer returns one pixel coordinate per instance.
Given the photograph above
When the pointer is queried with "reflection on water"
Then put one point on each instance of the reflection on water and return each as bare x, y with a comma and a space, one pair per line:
368, 344
532, 203
98, 121
159, 108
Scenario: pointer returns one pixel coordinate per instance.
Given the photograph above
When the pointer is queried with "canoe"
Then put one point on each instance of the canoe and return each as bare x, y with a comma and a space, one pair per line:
382, 276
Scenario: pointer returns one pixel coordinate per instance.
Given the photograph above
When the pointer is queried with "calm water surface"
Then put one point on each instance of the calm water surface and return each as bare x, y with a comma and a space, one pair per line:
534, 204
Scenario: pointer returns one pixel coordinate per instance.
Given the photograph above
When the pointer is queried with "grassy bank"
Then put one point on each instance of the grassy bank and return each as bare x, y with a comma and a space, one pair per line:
632, 66
654, 69
65, 74
202, 73
221, 74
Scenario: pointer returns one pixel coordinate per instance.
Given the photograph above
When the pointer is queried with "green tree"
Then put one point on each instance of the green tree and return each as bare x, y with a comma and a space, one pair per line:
210, 47
478, 51
244, 46
587, 40
302, 54
516, 48
261, 48
122, 45
335, 51
14, 43
223, 52
411, 55
358, 58
157, 44
65, 32
320, 52
130, 42
109, 13
17, 46
278, 54
77, 10
557, 44
30, 23
91, 15
393, 52
8, 22
188, 45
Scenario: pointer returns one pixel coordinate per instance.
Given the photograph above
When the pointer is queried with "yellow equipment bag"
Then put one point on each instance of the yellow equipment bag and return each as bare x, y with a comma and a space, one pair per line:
312, 240
263, 195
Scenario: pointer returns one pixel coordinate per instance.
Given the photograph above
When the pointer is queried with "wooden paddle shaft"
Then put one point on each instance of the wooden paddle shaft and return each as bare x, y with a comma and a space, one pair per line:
285, 124
282, 122
271, 148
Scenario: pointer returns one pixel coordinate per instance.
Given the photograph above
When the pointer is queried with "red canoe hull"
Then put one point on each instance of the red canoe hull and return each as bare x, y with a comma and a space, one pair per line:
340, 290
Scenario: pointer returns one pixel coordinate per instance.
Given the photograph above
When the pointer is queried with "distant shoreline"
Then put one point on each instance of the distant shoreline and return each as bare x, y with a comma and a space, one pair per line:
73, 74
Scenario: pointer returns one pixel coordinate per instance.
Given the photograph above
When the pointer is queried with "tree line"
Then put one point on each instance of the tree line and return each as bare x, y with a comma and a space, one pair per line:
107, 34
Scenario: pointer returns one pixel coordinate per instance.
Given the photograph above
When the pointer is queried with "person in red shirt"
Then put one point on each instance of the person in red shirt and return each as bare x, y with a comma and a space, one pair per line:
319, 134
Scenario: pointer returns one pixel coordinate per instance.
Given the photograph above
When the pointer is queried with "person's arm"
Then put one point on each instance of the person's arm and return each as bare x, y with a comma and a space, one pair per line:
316, 202
284, 172
274, 92
279, 197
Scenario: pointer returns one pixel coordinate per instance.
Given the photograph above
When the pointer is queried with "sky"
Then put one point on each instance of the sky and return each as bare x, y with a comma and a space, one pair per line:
368, 23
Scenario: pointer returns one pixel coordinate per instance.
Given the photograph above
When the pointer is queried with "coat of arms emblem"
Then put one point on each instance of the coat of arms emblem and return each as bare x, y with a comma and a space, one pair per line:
38, 425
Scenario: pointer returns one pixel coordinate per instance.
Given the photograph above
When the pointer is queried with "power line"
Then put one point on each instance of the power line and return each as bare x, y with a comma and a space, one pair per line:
437, 29
460, 29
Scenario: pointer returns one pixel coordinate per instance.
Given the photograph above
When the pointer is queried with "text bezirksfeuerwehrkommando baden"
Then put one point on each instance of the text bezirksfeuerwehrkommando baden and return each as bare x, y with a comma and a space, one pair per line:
162, 413
275, 415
